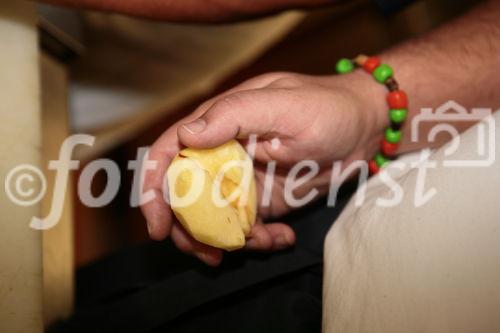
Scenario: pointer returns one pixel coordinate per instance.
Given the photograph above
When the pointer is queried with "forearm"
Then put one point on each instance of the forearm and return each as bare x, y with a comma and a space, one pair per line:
191, 10
459, 61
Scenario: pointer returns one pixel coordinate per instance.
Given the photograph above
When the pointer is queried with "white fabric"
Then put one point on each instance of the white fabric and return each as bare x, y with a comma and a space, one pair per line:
434, 268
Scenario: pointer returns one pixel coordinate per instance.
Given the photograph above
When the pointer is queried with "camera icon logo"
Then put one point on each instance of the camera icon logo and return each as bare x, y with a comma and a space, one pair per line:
453, 113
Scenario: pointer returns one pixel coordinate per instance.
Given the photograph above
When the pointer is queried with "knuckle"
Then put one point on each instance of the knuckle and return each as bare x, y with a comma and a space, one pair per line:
288, 81
228, 105
203, 106
272, 76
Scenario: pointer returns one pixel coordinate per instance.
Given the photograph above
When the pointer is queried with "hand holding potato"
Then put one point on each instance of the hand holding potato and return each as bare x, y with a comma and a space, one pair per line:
324, 119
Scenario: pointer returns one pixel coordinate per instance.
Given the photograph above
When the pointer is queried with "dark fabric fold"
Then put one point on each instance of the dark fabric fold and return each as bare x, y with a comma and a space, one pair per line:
155, 288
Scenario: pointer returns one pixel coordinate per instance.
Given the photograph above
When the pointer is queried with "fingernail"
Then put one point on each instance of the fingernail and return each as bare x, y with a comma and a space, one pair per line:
201, 255
281, 242
207, 259
196, 126
252, 243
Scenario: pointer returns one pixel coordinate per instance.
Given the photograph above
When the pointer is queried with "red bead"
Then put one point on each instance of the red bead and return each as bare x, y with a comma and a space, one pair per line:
373, 167
388, 149
397, 100
371, 63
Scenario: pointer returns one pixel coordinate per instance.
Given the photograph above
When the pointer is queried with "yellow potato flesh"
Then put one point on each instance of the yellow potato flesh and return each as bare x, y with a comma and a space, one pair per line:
227, 172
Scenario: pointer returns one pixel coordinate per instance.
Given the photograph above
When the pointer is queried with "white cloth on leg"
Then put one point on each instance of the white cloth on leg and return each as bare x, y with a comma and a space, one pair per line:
434, 268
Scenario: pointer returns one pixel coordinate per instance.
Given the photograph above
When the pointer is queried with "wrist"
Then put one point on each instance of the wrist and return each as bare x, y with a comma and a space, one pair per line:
397, 106
373, 103
371, 106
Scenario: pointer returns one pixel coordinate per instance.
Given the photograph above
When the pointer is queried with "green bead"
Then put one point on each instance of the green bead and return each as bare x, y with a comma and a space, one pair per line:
344, 66
392, 136
382, 73
381, 160
398, 115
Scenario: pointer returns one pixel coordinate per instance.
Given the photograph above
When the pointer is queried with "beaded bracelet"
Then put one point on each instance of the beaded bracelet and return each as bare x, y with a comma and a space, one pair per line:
397, 100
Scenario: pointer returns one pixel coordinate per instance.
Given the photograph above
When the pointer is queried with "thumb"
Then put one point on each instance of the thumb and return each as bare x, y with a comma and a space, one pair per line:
236, 116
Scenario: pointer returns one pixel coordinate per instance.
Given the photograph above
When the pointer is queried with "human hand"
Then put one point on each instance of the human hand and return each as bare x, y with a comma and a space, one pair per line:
295, 118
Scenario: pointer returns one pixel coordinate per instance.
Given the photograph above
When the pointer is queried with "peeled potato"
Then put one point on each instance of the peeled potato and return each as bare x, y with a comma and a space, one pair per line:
212, 193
